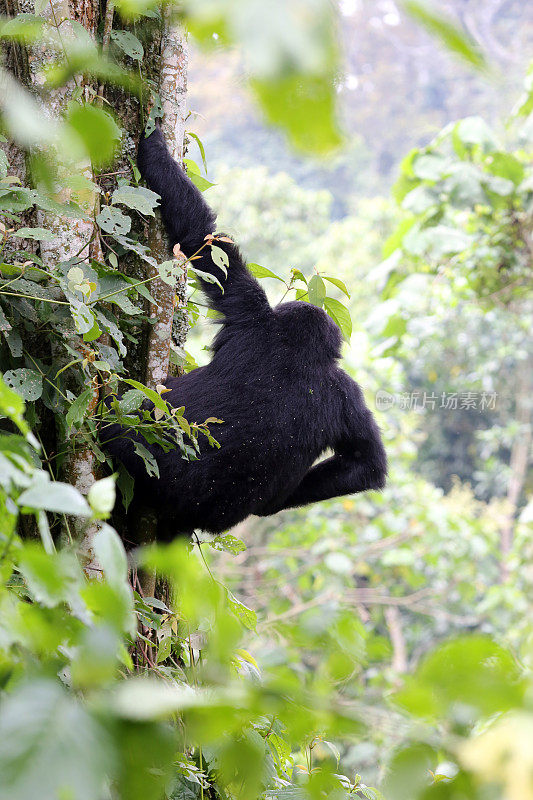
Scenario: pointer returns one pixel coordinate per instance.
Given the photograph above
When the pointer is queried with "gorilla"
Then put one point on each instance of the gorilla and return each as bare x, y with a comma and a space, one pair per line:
274, 380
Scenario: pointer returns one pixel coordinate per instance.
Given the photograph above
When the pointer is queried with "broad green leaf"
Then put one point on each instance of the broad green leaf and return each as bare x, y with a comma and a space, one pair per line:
450, 34
396, 326
97, 130
246, 615
51, 577
51, 746
200, 182
220, 258
228, 543
475, 131
206, 276
316, 291
304, 106
340, 315
82, 315
409, 772
55, 496
78, 409
131, 400
506, 165
109, 549
262, 272
128, 43
126, 486
138, 198
338, 283
37, 234
25, 28
101, 497
170, 271
113, 221
150, 394
26, 382
12, 405
149, 461
468, 673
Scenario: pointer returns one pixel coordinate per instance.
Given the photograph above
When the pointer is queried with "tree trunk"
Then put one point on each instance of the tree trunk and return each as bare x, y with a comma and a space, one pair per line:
173, 92
520, 454
165, 63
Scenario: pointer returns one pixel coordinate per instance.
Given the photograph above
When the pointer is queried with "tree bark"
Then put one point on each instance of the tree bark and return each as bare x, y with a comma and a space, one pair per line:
173, 92
399, 649
519, 461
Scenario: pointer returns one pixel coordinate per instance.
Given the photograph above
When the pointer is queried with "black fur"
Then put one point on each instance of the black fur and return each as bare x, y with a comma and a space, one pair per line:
273, 379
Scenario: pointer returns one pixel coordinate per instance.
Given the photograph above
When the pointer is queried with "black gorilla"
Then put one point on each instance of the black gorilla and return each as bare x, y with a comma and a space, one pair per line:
275, 382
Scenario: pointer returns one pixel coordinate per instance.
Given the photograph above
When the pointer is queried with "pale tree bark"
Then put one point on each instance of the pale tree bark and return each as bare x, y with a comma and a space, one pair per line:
519, 461
169, 300
173, 92
399, 650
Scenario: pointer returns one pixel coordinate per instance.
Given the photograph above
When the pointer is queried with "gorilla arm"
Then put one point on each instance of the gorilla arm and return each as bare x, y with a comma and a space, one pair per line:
188, 221
359, 463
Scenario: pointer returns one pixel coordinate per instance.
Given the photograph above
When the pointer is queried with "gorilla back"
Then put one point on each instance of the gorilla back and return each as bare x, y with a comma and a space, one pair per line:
273, 379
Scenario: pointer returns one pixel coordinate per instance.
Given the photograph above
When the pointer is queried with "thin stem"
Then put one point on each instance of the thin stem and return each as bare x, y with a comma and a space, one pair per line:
32, 297
58, 390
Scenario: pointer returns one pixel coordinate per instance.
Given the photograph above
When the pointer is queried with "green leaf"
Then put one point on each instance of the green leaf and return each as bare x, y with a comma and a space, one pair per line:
101, 497
396, 326
149, 461
262, 272
78, 409
201, 183
206, 276
125, 485
505, 165
82, 315
51, 746
164, 649
113, 221
12, 405
54, 496
447, 31
228, 544
37, 234
475, 131
24, 28
220, 258
340, 315
51, 578
338, 283
409, 772
316, 290
110, 552
131, 400
97, 130
170, 271
26, 382
304, 105
150, 394
246, 615
128, 43
200, 147
138, 198
470, 673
